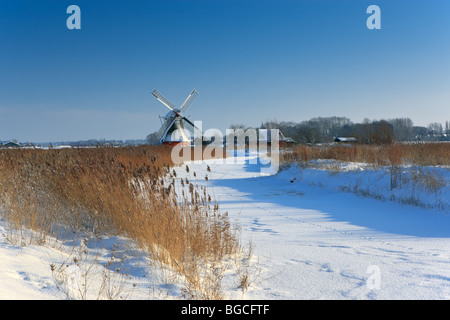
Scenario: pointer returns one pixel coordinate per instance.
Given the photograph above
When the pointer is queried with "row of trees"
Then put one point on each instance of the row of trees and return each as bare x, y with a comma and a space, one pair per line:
326, 129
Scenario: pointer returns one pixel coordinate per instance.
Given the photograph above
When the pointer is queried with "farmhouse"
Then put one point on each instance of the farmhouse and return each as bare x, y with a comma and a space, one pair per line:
282, 139
10, 144
345, 139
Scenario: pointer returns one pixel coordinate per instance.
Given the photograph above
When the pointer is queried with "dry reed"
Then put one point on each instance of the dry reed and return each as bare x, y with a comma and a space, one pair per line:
431, 154
126, 191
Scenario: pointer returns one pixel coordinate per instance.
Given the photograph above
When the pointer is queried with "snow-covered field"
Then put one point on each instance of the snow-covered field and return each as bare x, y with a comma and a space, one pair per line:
319, 232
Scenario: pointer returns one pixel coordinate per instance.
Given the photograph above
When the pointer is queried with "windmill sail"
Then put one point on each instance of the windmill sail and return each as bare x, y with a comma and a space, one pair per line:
161, 98
189, 100
192, 127
164, 128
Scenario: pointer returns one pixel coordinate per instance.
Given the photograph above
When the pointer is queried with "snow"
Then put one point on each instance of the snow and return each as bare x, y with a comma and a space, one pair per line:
328, 231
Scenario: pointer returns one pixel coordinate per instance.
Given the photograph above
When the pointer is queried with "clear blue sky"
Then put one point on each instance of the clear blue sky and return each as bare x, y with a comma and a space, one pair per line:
250, 60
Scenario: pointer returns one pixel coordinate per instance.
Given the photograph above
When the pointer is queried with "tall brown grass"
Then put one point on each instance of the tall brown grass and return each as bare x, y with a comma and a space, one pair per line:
128, 191
394, 157
415, 153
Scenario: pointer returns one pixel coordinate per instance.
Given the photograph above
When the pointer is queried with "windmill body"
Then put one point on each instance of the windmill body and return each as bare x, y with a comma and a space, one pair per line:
173, 129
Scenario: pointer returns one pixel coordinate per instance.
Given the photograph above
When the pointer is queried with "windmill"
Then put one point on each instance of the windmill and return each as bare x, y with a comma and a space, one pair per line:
172, 131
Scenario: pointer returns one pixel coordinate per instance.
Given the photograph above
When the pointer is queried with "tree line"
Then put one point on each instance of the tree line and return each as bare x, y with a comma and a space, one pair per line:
326, 129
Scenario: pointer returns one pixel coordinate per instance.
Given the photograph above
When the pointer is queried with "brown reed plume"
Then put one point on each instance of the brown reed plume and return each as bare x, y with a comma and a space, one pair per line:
127, 191
420, 153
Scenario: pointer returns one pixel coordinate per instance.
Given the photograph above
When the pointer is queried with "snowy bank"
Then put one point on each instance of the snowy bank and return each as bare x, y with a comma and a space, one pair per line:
426, 187
311, 239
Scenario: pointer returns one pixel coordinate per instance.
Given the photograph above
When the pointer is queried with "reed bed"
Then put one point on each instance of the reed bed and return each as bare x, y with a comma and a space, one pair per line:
425, 154
414, 170
127, 191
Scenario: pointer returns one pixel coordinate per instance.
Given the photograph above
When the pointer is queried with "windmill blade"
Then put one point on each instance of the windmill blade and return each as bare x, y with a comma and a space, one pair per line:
168, 122
187, 103
189, 122
192, 127
163, 100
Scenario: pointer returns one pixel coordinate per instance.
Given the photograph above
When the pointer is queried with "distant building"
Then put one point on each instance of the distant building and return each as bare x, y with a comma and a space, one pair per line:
290, 141
10, 144
29, 145
345, 139
282, 139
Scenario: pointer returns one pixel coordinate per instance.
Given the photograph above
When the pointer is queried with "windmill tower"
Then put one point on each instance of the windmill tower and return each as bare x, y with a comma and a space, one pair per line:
172, 131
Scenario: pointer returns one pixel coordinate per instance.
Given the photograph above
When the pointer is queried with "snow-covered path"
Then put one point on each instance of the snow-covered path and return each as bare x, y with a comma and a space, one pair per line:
313, 243
309, 241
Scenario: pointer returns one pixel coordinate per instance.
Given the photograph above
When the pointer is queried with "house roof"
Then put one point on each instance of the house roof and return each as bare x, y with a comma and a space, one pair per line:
10, 144
345, 139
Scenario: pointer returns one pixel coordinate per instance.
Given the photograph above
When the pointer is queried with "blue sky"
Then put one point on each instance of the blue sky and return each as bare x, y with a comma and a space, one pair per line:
250, 60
